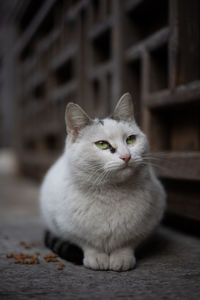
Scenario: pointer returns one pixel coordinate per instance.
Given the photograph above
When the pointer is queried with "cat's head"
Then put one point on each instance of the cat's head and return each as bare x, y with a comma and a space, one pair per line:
103, 151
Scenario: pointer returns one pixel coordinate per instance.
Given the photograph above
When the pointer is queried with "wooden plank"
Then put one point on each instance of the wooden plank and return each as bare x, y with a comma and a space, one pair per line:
68, 52
118, 80
97, 12
64, 91
73, 11
173, 43
182, 95
100, 70
35, 80
154, 41
28, 65
132, 4
188, 63
100, 28
48, 40
184, 30
34, 26
177, 165
158, 136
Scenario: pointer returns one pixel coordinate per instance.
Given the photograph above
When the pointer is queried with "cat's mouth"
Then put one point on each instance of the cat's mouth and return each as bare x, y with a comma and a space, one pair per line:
126, 166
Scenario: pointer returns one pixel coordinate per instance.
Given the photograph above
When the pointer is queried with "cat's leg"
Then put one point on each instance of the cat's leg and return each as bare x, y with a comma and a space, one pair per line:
122, 259
95, 259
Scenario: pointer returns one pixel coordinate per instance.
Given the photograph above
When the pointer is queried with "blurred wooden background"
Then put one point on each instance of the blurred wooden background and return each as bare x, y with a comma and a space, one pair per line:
91, 52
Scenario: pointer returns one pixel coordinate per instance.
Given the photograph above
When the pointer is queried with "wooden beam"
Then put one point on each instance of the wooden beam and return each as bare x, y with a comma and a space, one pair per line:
177, 165
181, 95
68, 52
100, 70
48, 40
132, 4
154, 41
76, 8
100, 28
64, 91
27, 36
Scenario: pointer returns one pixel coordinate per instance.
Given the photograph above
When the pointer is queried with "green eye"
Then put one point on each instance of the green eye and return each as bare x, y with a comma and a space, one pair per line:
103, 145
131, 139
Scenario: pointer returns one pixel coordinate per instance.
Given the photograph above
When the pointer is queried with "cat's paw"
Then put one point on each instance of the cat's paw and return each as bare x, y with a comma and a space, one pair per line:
122, 260
95, 260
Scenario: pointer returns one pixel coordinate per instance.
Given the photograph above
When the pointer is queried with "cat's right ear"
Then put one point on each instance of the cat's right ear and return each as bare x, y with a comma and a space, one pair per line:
124, 111
75, 119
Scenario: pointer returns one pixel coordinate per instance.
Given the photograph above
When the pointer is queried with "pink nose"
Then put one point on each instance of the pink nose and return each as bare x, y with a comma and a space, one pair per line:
125, 157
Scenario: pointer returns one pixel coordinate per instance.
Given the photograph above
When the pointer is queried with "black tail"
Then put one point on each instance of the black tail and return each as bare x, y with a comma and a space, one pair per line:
64, 249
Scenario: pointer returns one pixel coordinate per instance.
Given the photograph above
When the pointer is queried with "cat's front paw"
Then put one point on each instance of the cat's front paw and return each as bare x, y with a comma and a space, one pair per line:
122, 260
95, 260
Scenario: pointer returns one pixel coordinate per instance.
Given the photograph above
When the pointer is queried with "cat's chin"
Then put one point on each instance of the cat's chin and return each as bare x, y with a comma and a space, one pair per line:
123, 173
126, 171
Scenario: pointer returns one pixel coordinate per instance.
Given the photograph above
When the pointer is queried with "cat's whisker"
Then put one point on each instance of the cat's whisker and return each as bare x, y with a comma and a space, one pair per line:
112, 165
146, 163
150, 164
152, 159
99, 178
95, 173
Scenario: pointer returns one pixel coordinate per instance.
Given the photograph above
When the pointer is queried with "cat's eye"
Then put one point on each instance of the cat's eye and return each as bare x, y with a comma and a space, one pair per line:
103, 145
131, 139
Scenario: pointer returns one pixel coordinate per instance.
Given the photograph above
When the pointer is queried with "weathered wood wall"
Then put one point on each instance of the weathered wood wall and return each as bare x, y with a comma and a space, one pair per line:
91, 52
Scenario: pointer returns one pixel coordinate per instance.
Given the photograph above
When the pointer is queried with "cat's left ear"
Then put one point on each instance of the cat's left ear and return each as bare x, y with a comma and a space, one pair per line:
124, 110
75, 119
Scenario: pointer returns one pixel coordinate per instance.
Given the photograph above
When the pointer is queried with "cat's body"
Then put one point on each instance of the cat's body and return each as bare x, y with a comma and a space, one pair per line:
106, 201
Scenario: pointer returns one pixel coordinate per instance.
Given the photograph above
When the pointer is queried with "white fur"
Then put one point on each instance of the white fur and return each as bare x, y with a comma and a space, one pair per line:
92, 199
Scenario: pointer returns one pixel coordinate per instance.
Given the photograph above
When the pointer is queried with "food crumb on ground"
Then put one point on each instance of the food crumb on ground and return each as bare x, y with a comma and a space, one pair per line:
23, 258
9, 255
27, 246
60, 266
27, 259
51, 258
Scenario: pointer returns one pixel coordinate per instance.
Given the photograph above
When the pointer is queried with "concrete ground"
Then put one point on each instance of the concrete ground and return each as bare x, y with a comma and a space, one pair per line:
168, 267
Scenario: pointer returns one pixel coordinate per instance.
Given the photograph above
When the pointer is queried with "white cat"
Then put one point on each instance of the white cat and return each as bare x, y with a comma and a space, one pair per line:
102, 193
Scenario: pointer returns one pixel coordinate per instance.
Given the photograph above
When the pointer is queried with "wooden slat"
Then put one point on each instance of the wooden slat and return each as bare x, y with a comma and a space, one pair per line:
35, 80
154, 41
73, 11
173, 43
48, 40
97, 72
66, 54
178, 165
181, 95
117, 46
34, 26
132, 4
63, 91
28, 65
100, 28
188, 41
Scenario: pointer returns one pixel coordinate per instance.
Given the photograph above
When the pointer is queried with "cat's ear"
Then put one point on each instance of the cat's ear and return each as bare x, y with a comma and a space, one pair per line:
75, 119
124, 110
